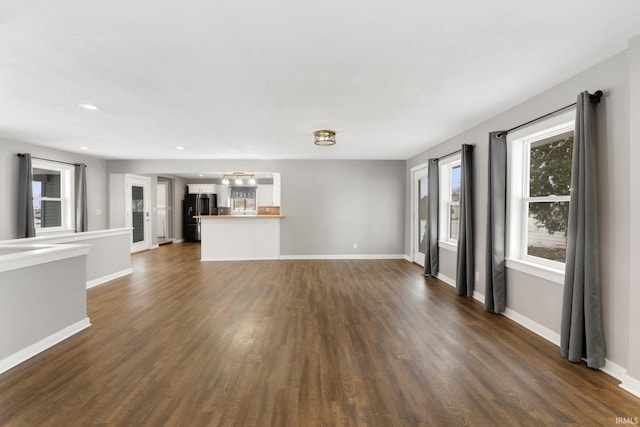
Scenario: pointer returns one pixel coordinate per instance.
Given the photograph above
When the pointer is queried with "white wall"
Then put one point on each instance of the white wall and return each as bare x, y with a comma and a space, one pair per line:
535, 298
96, 184
328, 204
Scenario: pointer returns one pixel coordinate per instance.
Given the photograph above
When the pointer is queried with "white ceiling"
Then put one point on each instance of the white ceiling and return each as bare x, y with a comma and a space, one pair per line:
254, 78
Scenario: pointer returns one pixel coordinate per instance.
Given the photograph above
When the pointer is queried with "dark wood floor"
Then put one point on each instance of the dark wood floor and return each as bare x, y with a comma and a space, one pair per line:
299, 343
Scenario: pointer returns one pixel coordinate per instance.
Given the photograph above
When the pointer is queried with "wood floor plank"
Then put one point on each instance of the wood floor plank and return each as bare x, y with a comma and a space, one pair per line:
299, 343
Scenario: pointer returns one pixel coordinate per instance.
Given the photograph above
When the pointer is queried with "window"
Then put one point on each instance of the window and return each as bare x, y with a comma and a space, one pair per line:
539, 192
449, 201
52, 196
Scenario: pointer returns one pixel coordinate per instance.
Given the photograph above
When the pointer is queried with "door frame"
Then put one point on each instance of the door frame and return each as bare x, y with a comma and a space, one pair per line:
145, 183
419, 171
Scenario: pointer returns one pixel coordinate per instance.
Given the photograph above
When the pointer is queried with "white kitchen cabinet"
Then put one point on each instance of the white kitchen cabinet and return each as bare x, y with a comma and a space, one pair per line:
201, 188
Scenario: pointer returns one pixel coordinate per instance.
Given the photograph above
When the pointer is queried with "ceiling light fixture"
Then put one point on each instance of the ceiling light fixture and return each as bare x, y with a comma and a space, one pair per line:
179, 147
237, 178
325, 137
89, 107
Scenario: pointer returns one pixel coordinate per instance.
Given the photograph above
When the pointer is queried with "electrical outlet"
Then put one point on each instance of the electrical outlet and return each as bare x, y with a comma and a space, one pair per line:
355, 246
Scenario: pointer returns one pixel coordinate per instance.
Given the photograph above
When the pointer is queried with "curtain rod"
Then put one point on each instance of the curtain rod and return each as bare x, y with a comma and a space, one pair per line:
594, 98
446, 155
51, 160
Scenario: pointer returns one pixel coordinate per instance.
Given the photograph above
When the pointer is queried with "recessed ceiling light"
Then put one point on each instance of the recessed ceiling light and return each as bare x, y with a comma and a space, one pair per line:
89, 107
84, 148
179, 147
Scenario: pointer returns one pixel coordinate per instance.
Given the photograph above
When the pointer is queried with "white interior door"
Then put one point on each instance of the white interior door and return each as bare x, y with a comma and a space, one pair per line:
137, 211
419, 198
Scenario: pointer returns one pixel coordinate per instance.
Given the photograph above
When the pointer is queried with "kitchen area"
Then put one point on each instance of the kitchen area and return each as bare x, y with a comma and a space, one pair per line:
235, 216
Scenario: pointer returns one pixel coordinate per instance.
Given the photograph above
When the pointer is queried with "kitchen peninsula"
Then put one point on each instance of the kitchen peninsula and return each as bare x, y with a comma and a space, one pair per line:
239, 237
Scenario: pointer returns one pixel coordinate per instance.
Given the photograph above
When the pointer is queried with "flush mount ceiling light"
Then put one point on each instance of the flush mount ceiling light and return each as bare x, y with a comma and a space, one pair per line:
89, 107
325, 137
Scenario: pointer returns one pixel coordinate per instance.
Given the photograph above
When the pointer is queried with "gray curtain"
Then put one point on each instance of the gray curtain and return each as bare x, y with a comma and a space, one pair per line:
496, 289
466, 260
431, 252
581, 334
26, 226
81, 197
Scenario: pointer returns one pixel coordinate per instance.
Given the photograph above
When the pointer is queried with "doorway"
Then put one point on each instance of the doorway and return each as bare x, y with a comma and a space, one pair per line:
137, 211
419, 198
164, 211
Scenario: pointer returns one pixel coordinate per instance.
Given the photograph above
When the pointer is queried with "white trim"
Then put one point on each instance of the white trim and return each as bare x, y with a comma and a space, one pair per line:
108, 277
445, 170
446, 279
612, 369
66, 199
154, 246
414, 215
518, 163
131, 180
35, 254
178, 241
446, 245
26, 353
533, 326
537, 270
347, 256
408, 258
71, 237
238, 259
615, 370
478, 296
630, 384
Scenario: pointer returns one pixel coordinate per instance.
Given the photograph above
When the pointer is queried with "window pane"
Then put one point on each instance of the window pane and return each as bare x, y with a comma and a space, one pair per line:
137, 213
547, 230
455, 184
454, 220
50, 214
550, 166
49, 182
422, 214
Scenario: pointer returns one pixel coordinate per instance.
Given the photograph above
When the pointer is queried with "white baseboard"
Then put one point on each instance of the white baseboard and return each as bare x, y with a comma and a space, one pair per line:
154, 246
178, 240
108, 277
446, 279
27, 353
613, 369
408, 258
345, 256
632, 385
616, 371
451, 282
478, 296
533, 326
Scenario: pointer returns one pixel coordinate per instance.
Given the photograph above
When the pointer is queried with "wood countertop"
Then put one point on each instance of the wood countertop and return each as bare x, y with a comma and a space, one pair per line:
237, 216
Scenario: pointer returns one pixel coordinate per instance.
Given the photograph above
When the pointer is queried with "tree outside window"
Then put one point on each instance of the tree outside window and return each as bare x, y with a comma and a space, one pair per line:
548, 202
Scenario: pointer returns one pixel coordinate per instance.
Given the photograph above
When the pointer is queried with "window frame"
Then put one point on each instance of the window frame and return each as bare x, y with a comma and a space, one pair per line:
67, 199
446, 167
518, 199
